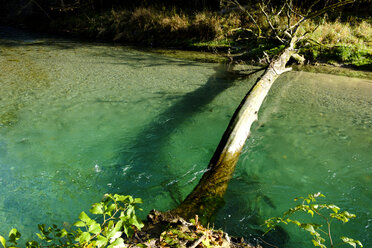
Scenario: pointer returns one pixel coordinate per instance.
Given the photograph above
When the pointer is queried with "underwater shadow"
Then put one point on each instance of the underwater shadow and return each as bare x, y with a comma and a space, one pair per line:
150, 142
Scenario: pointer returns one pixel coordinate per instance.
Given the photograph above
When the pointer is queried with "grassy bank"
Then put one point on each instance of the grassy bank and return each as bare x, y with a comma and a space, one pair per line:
330, 41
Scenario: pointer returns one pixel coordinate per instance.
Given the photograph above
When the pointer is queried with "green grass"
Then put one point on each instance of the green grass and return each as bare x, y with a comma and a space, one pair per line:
347, 43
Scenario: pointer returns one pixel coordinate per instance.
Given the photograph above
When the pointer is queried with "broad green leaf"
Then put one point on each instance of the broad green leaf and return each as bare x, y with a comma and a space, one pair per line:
3, 241
115, 230
334, 208
91, 222
114, 236
120, 198
138, 201
108, 228
84, 217
136, 222
64, 233
84, 237
119, 243
314, 206
97, 208
79, 224
128, 230
95, 229
101, 241
14, 235
109, 209
308, 227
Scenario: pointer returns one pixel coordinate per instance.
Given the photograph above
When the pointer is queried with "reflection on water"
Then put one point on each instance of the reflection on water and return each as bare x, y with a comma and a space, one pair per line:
79, 120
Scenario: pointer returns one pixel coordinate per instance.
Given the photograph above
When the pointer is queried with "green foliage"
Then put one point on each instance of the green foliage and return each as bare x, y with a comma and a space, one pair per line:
327, 212
116, 216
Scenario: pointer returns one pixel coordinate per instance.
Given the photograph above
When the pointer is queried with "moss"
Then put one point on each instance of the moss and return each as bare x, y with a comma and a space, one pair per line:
199, 56
335, 70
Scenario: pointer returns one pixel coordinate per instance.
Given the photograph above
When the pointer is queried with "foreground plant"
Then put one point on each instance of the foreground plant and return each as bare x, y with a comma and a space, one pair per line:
115, 217
328, 212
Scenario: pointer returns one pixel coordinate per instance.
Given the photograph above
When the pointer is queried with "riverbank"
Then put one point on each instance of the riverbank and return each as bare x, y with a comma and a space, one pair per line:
338, 39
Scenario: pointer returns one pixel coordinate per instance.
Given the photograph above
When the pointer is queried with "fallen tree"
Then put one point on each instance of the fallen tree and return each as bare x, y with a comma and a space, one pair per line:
207, 196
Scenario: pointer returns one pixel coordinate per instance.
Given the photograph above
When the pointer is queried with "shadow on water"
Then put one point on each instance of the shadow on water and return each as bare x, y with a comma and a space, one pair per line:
149, 145
154, 137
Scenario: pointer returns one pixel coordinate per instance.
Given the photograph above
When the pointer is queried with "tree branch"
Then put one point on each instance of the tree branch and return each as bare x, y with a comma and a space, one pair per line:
250, 16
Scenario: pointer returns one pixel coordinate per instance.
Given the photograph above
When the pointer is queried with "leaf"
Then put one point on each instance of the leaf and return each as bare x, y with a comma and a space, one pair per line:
334, 208
97, 208
2, 241
91, 222
63, 233
294, 222
40, 236
95, 229
84, 217
41, 227
32, 244
308, 227
84, 237
14, 235
114, 236
311, 212
115, 230
79, 224
101, 241
119, 243
136, 222
128, 230
351, 242
121, 198
109, 209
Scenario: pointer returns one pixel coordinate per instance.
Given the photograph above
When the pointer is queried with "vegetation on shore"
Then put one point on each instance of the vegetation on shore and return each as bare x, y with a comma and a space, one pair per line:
337, 38
332, 42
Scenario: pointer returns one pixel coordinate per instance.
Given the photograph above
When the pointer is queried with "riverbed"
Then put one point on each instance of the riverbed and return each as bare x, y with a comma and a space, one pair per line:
78, 120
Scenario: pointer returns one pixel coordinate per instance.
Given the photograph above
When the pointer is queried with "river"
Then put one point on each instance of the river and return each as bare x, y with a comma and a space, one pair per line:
79, 119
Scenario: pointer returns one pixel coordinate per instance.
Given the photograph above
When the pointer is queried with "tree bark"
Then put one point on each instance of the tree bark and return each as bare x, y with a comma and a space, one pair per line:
207, 196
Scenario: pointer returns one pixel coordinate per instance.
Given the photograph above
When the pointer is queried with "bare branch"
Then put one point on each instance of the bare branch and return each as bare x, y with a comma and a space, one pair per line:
312, 6
41, 8
330, 7
294, 12
267, 18
280, 11
250, 16
294, 27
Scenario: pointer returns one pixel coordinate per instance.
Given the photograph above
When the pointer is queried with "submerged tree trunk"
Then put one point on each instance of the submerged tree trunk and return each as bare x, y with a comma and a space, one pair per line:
207, 196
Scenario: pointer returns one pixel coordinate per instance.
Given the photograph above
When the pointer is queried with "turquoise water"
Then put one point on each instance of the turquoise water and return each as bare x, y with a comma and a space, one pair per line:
78, 120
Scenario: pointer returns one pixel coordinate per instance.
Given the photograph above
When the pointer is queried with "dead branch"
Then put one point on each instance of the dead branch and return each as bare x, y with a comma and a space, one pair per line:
294, 27
249, 15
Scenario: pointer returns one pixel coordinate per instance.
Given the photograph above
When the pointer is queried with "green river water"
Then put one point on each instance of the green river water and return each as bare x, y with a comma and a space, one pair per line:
78, 120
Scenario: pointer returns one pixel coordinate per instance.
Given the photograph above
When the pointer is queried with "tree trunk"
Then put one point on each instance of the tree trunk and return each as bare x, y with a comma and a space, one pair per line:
207, 196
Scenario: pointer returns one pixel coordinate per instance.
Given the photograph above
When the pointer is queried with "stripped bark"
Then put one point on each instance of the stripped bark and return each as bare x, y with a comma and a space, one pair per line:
207, 196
